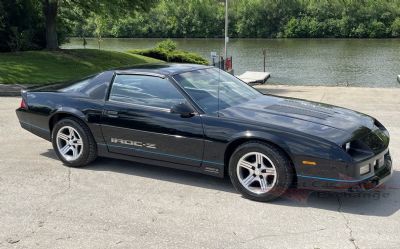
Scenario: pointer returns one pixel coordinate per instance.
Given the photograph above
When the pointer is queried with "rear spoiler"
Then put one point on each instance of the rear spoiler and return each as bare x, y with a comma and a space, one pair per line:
47, 88
55, 86
24, 93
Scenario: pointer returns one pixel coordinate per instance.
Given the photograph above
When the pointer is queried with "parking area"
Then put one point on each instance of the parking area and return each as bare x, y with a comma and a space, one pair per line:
119, 204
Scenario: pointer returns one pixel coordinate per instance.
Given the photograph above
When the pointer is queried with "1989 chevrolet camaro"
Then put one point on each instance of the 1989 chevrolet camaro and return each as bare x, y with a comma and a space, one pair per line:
201, 119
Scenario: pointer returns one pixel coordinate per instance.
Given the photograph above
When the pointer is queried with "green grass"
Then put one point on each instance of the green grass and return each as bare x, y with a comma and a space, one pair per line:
43, 67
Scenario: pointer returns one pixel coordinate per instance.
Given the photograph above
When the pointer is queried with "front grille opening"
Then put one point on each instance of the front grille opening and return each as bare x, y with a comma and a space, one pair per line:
379, 163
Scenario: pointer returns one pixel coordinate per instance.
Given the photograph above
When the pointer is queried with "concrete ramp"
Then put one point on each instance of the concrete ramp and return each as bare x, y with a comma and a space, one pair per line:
254, 77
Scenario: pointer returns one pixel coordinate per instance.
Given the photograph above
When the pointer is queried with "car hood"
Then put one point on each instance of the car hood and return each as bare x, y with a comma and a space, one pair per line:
333, 123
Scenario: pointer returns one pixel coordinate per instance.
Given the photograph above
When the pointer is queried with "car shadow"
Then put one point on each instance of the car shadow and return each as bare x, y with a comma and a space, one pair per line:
155, 172
383, 202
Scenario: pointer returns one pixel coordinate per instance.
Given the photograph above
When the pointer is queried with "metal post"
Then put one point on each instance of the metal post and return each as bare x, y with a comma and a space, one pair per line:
264, 54
226, 29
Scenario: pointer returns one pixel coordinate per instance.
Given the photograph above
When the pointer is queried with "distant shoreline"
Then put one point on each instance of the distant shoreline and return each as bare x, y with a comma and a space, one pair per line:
232, 38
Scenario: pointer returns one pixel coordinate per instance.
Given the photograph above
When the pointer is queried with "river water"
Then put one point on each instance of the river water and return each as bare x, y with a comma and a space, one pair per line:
366, 62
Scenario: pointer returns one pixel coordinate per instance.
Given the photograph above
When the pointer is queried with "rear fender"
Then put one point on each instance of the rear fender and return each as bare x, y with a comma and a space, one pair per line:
70, 111
64, 112
67, 111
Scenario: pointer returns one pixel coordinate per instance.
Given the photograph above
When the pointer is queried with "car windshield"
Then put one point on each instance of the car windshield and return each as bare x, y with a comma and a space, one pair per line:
206, 85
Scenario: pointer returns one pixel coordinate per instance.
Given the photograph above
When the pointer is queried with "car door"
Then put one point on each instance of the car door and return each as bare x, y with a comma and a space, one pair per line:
137, 121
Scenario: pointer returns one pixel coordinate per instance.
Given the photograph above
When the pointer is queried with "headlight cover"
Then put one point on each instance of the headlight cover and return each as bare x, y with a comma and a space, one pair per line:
357, 150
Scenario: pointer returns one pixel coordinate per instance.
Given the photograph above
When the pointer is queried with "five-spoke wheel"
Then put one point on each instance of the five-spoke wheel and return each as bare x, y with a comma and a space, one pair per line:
260, 171
256, 172
69, 143
73, 142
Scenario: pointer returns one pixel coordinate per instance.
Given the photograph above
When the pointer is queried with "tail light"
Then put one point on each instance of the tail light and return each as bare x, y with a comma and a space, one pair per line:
23, 105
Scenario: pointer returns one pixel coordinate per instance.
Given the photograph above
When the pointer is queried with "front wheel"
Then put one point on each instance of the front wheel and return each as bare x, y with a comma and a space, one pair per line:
260, 171
73, 142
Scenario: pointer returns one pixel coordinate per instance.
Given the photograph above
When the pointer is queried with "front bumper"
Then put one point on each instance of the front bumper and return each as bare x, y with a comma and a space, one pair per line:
380, 174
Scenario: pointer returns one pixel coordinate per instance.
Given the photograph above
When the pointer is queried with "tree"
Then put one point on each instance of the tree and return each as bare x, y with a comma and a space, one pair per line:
100, 25
52, 9
21, 27
395, 27
253, 18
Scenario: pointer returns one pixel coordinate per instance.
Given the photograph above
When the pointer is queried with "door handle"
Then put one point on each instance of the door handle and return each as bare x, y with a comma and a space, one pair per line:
111, 114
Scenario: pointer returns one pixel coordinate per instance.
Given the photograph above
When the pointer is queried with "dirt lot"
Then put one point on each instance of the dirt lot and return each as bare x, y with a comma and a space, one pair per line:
118, 204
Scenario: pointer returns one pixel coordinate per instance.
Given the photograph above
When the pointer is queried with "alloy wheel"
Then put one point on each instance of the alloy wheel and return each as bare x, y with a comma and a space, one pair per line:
256, 172
69, 143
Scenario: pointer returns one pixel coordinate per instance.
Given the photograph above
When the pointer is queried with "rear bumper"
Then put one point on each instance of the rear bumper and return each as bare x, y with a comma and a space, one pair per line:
379, 176
25, 122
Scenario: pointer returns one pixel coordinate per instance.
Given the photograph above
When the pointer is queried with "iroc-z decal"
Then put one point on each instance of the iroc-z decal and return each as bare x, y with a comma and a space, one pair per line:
133, 143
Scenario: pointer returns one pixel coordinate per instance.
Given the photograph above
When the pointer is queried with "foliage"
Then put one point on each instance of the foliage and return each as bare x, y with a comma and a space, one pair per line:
166, 51
395, 27
172, 18
260, 18
167, 45
23, 23
344, 18
33, 24
20, 26
40, 67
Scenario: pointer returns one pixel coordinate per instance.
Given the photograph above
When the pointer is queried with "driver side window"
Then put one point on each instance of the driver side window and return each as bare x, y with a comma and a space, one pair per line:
146, 91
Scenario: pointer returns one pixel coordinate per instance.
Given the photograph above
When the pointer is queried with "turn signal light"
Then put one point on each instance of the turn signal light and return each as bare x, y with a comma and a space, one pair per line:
312, 163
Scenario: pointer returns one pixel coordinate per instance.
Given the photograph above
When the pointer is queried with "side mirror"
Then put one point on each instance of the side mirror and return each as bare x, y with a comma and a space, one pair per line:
183, 109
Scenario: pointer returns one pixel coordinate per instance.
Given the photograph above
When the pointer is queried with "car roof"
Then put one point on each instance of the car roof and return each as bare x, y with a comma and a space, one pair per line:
162, 69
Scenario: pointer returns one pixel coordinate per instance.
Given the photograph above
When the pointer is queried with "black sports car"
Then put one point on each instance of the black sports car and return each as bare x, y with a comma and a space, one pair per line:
201, 119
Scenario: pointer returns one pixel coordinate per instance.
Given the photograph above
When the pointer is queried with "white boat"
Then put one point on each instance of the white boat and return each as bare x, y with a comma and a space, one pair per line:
254, 77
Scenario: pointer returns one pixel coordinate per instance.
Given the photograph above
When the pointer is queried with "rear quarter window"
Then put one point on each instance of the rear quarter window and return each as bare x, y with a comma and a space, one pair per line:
94, 87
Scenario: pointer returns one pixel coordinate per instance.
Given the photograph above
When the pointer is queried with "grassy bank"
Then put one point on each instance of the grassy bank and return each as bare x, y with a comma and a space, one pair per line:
42, 67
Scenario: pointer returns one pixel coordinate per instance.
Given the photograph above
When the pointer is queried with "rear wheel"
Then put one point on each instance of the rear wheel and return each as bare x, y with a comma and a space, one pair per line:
260, 171
73, 142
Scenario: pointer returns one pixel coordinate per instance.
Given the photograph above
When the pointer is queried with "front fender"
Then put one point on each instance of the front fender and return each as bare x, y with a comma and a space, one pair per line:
262, 136
299, 148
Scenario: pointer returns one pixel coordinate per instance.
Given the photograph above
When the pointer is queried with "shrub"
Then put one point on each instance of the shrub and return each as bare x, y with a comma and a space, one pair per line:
167, 45
166, 51
377, 30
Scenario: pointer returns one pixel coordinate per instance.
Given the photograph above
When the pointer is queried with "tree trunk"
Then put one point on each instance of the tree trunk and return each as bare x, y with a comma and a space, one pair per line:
50, 8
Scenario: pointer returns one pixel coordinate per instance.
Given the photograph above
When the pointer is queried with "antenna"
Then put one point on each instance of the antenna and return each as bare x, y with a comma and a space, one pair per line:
219, 83
225, 50
226, 30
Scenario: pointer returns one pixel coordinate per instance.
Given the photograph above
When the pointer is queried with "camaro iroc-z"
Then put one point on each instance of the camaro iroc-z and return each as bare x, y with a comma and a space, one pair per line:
202, 119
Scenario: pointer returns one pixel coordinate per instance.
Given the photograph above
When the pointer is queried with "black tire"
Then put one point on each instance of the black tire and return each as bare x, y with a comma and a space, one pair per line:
283, 167
89, 148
